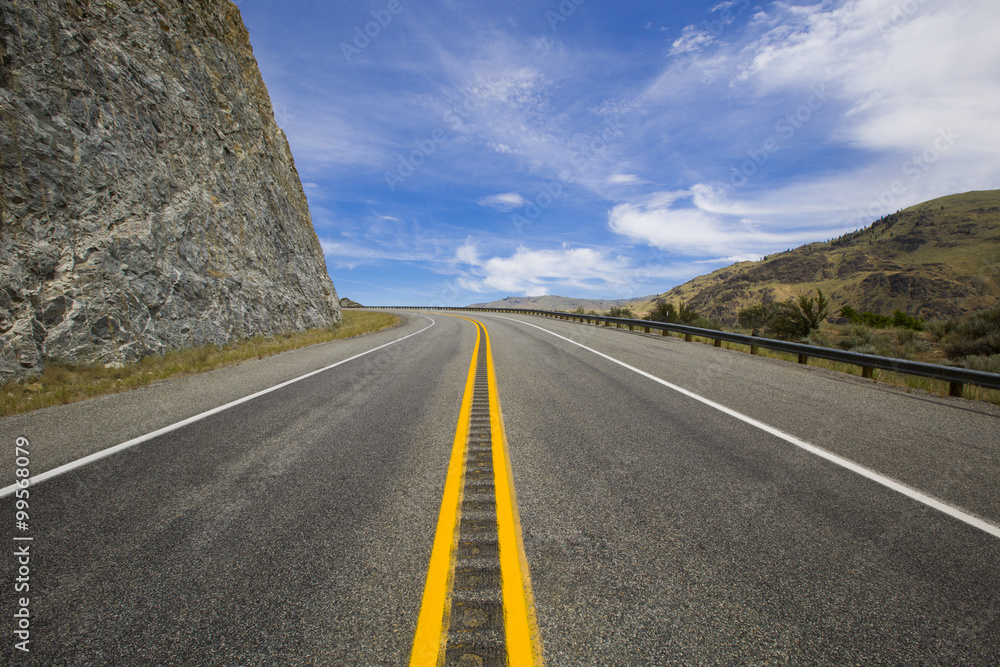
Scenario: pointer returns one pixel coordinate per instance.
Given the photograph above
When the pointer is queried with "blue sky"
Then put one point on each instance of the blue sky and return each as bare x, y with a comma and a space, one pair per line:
459, 151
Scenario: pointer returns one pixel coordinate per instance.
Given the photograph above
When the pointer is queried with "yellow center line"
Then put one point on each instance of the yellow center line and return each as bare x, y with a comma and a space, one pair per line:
523, 641
432, 624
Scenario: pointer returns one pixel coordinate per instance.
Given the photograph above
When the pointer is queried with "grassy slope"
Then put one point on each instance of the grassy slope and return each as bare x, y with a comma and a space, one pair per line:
68, 383
935, 260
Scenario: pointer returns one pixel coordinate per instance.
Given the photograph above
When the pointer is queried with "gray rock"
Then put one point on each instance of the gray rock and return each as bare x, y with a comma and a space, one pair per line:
148, 200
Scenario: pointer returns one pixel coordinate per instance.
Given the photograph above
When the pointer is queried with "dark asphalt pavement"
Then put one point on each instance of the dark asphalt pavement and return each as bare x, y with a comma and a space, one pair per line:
296, 528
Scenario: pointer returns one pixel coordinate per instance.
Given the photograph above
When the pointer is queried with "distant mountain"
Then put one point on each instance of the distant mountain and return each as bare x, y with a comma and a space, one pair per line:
934, 260
552, 302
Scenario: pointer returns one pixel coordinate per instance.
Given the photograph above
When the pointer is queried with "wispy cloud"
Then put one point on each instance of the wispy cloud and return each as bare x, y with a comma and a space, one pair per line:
507, 201
625, 179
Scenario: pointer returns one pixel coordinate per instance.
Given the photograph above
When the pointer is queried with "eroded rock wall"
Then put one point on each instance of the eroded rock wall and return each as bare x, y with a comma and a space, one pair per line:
147, 198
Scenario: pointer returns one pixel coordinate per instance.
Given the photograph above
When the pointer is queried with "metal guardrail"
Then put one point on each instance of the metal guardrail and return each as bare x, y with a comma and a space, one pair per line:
956, 377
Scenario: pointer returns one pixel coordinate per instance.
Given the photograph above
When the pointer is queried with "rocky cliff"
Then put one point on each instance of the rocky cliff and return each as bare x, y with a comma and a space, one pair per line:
147, 199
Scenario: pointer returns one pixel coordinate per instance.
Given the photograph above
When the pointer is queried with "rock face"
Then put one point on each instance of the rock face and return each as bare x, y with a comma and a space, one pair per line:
147, 199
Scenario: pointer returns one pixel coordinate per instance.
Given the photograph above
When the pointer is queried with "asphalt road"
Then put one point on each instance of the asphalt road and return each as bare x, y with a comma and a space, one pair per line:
296, 527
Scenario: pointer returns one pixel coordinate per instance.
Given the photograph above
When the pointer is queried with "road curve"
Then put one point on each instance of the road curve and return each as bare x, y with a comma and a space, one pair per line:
296, 527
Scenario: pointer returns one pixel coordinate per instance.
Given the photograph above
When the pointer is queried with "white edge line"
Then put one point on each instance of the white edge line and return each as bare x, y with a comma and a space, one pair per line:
923, 498
55, 472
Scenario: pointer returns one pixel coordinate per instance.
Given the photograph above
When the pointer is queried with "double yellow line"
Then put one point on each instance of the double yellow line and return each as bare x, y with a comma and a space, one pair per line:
524, 648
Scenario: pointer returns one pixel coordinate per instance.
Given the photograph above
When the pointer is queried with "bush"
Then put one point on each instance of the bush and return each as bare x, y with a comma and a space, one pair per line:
904, 321
662, 312
865, 341
976, 335
623, 312
820, 338
796, 319
671, 314
989, 364
757, 316
877, 321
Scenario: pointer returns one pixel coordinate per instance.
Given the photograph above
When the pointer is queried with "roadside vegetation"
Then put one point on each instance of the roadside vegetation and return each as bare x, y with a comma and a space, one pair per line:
63, 382
972, 341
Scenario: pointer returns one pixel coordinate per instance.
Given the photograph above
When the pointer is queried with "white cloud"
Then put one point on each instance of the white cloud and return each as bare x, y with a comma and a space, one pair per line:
507, 201
902, 70
907, 97
538, 272
691, 230
522, 87
624, 179
350, 255
468, 253
693, 38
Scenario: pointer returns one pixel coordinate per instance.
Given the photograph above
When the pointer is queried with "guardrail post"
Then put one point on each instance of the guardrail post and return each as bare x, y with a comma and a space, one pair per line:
718, 342
955, 389
631, 328
647, 329
688, 338
803, 359
867, 372
664, 332
618, 325
753, 349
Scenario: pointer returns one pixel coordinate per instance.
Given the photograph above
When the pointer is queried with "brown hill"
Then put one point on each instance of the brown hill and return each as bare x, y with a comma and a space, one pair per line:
935, 260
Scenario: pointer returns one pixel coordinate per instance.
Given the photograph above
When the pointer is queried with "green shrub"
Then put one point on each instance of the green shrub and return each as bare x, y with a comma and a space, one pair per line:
820, 338
623, 312
904, 321
796, 319
757, 316
975, 335
989, 364
877, 321
680, 314
662, 312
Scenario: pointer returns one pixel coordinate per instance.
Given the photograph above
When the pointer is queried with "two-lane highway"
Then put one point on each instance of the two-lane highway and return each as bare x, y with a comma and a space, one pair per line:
297, 527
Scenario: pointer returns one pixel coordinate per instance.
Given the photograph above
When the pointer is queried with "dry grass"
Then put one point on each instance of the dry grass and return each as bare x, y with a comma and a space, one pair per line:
66, 383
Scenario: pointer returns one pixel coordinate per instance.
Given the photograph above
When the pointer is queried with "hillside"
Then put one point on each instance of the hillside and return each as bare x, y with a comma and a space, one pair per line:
935, 260
148, 200
553, 302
